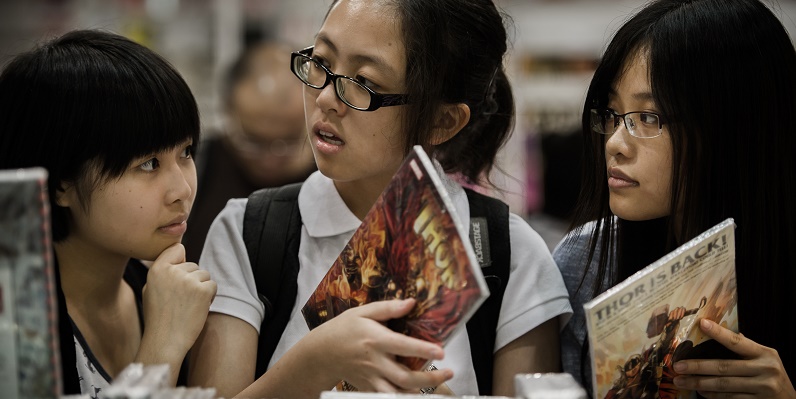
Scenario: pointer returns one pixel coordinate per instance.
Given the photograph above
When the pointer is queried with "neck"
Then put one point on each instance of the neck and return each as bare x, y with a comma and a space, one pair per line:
677, 225
90, 278
360, 196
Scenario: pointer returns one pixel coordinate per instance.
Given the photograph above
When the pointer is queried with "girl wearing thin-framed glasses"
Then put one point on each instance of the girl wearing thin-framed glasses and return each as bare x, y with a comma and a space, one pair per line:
688, 121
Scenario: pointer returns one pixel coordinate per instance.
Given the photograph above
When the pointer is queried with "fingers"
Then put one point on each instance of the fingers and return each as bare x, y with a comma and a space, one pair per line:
384, 310
385, 340
414, 380
200, 275
733, 341
713, 384
760, 373
400, 379
723, 395
172, 255
715, 367
405, 346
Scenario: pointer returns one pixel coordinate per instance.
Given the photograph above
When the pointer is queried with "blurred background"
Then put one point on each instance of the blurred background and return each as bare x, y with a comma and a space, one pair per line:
555, 47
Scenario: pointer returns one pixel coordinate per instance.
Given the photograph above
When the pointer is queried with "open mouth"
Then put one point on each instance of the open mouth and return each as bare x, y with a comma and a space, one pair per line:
330, 138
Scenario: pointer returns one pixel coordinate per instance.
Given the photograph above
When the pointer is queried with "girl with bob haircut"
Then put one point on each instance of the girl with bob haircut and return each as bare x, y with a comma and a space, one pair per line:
441, 62
114, 125
688, 121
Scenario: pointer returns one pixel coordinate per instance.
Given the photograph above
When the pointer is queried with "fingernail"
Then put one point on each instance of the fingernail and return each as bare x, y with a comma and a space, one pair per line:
679, 381
706, 324
680, 367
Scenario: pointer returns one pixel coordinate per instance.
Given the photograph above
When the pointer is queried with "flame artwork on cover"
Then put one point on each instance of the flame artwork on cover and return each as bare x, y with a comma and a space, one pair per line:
408, 246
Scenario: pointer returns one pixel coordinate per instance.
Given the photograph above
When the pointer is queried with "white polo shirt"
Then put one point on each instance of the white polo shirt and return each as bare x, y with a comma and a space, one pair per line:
535, 292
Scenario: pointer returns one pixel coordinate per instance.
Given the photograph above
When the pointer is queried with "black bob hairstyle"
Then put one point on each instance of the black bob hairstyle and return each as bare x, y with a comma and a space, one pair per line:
84, 106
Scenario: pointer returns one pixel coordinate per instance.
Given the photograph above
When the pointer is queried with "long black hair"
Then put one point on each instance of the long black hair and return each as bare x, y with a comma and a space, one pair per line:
724, 72
84, 106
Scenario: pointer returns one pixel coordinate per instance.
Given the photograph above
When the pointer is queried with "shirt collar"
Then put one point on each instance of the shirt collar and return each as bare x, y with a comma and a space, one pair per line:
323, 211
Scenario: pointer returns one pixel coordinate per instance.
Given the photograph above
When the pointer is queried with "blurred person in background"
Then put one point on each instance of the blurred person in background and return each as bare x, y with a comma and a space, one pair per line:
263, 143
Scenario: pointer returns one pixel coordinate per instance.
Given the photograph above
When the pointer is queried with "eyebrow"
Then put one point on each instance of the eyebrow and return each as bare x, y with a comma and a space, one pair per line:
641, 96
371, 59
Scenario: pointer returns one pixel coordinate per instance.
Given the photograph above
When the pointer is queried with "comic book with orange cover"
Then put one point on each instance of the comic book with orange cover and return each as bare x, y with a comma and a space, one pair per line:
642, 326
410, 244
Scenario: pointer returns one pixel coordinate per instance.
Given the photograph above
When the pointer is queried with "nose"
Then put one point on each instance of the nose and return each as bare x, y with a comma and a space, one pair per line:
181, 182
328, 100
617, 143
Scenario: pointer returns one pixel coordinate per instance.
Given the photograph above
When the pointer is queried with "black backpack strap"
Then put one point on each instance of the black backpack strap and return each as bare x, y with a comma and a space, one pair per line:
489, 234
272, 233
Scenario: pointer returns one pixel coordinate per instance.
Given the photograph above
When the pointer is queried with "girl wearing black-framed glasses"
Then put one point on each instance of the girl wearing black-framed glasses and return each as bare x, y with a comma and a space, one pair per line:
381, 78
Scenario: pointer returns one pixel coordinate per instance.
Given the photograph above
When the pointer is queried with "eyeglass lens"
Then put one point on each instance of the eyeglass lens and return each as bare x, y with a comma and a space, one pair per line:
639, 124
350, 91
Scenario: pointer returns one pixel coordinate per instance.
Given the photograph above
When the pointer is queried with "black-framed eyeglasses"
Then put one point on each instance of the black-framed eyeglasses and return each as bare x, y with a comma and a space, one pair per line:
641, 124
350, 91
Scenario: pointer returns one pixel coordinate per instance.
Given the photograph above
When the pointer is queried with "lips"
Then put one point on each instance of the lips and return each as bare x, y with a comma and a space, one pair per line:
176, 226
327, 140
618, 179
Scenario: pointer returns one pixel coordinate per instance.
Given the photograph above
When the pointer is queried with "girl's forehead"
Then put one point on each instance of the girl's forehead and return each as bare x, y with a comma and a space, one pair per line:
633, 77
363, 26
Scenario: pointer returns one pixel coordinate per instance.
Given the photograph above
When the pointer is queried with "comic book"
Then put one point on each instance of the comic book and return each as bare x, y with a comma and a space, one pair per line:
410, 244
642, 326
29, 356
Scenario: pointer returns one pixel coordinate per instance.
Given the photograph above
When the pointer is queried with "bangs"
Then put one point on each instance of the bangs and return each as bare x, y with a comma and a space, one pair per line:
135, 104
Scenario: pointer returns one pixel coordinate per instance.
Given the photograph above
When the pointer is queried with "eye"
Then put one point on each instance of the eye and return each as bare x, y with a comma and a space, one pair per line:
648, 118
321, 61
150, 166
367, 82
187, 152
611, 115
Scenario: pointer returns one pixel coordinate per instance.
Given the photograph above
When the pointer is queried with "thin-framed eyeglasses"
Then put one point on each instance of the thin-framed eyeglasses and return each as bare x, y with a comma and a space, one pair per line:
349, 90
641, 124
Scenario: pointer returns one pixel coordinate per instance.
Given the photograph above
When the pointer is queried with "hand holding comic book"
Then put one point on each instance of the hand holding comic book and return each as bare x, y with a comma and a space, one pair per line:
361, 330
409, 245
634, 337
760, 374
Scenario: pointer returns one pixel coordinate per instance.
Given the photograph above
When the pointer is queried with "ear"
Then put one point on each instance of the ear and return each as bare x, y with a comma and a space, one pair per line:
451, 119
66, 195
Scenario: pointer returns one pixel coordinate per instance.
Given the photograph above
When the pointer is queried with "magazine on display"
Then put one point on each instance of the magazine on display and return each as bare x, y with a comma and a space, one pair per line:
409, 245
29, 362
641, 327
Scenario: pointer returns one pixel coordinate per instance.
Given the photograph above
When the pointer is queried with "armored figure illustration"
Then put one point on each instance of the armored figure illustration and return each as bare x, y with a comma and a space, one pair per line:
649, 374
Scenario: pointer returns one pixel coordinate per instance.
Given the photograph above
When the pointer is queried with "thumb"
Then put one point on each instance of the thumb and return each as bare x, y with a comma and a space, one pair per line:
386, 310
172, 255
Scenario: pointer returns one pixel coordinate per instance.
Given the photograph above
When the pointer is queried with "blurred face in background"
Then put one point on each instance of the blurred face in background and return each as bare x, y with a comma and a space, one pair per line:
265, 114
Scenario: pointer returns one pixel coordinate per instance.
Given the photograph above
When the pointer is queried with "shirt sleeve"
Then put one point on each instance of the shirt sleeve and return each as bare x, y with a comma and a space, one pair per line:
225, 257
571, 256
535, 292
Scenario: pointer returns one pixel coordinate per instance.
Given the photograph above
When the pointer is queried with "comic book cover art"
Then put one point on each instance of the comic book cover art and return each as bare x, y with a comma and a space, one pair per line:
409, 245
29, 356
641, 327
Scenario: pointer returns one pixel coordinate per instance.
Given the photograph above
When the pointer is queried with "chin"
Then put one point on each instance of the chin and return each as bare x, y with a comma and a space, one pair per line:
634, 213
153, 251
